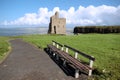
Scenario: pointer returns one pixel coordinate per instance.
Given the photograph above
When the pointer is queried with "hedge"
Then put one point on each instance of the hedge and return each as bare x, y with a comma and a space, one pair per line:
97, 29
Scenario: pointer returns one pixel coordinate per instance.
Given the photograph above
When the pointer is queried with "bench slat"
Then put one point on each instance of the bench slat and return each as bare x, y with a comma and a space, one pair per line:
74, 61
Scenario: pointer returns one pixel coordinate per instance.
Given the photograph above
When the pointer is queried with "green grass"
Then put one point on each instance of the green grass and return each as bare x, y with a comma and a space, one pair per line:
104, 47
3, 47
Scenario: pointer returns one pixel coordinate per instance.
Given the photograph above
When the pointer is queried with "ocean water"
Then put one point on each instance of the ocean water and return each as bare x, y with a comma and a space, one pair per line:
27, 31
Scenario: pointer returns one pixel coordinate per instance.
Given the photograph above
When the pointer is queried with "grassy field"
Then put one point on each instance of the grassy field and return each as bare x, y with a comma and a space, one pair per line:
104, 47
3, 47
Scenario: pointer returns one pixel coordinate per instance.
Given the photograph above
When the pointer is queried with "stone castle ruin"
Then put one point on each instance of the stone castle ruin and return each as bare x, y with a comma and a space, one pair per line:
57, 25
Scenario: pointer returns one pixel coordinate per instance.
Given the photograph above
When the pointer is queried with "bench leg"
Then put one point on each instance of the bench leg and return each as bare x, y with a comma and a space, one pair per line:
50, 50
90, 73
64, 63
53, 54
57, 57
47, 49
77, 73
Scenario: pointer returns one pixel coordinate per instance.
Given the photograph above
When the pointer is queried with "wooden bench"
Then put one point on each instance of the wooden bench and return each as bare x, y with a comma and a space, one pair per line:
80, 64
62, 51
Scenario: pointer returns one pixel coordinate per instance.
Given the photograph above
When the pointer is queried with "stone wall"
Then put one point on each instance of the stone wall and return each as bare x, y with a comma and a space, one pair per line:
57, 25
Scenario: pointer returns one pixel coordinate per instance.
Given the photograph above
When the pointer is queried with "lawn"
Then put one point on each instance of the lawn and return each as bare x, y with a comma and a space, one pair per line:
4, 47
104, 47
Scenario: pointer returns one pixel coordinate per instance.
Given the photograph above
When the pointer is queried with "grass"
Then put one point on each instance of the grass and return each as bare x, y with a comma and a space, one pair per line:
3, 47
104, 47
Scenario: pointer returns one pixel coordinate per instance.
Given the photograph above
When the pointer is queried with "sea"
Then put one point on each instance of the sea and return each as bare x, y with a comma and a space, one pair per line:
28, 31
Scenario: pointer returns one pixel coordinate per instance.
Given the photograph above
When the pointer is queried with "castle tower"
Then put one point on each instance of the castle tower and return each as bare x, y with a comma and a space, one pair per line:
56, 14
57, 25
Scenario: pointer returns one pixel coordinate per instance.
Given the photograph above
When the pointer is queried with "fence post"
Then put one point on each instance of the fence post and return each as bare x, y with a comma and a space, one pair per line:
76, 73
76, 55
66, 50
91, 65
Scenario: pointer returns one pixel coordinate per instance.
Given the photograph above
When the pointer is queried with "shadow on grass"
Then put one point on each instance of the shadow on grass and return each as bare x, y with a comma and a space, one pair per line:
100, 75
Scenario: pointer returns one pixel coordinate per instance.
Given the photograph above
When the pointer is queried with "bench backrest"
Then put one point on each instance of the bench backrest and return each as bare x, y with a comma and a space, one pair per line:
81, 53
76, 52
58, 45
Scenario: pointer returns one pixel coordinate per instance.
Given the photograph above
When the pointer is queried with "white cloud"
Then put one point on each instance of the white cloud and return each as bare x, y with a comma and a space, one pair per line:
91, 15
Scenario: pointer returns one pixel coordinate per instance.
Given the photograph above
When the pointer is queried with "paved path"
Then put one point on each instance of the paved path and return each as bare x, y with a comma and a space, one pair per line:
26, 62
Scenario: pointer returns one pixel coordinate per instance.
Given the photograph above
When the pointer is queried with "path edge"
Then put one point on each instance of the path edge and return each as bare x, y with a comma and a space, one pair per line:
6, 54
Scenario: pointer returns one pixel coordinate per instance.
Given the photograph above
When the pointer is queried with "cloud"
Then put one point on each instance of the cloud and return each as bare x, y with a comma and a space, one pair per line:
91, 15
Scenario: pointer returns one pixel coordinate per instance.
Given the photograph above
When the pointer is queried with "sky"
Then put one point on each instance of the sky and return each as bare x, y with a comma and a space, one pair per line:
76, 12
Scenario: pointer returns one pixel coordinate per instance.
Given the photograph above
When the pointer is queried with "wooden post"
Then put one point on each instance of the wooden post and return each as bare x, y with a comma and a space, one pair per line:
77, 73
64, 63
66, 50
57, 57
62, 48
53, 43
57, 46
76, 55
49, 50
53, 54
90, 71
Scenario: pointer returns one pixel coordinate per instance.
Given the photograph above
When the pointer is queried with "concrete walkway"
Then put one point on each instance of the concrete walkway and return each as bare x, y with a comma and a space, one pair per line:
26, 62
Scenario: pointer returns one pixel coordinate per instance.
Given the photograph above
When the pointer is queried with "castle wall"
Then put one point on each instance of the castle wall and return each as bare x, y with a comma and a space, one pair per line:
57, 25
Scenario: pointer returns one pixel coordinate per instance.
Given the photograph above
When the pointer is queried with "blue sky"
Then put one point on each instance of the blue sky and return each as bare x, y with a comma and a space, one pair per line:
12, 10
